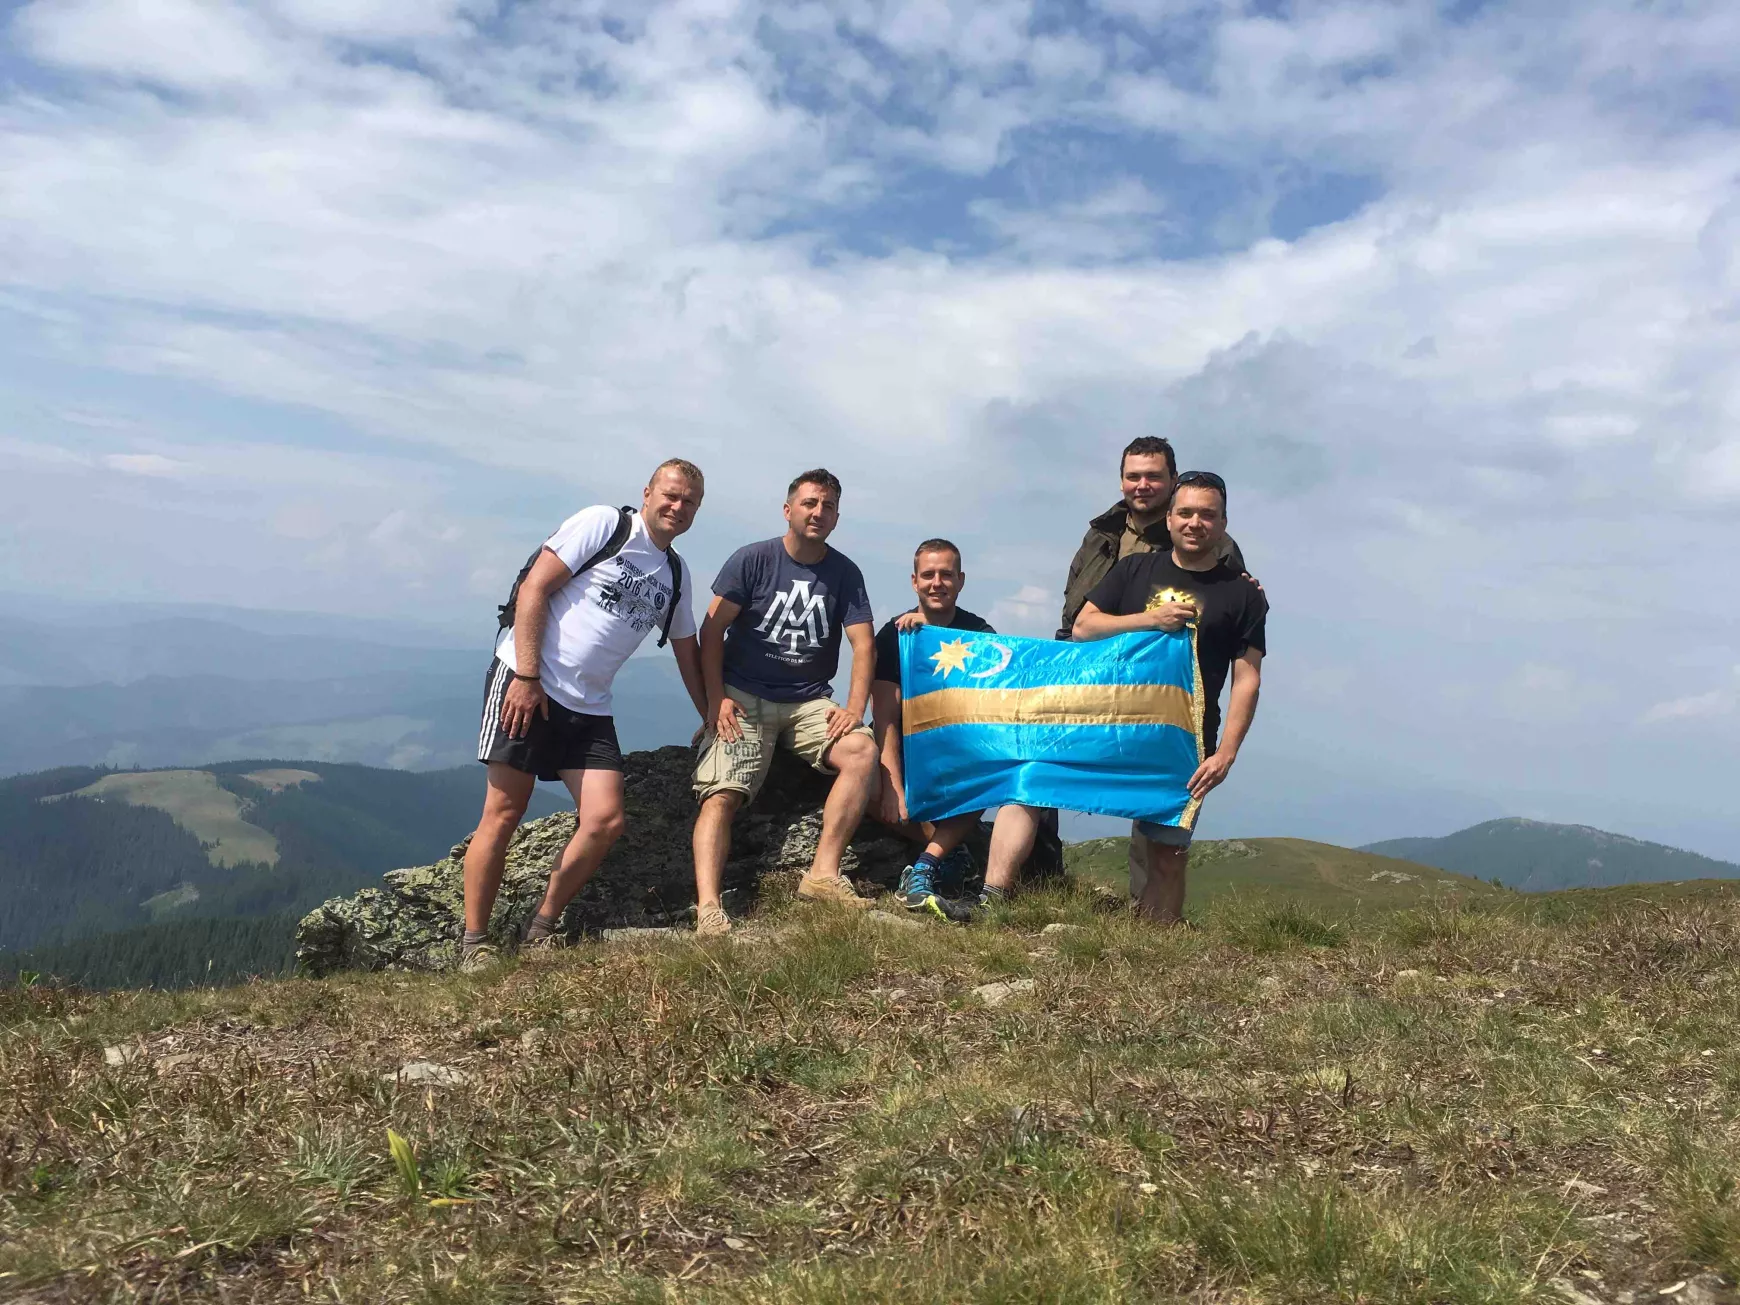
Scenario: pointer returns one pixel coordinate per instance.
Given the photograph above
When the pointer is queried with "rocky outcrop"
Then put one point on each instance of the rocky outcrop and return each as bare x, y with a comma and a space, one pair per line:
412, 921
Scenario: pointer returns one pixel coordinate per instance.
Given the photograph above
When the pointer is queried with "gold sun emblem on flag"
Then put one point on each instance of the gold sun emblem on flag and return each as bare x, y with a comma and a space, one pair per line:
952, 657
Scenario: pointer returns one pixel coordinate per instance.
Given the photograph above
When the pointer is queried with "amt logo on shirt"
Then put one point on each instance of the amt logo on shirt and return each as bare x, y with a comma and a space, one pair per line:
796, 614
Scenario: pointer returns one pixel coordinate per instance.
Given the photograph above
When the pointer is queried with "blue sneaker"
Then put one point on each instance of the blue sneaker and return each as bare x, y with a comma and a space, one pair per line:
916, 886
953, 873
918, 893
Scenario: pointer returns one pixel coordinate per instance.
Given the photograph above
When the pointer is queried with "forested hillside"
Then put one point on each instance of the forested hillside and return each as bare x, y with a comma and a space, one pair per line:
82, 854
177, 954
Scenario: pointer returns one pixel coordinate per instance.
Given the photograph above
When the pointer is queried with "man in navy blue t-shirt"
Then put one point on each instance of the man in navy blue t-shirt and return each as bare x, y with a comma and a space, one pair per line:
769, 649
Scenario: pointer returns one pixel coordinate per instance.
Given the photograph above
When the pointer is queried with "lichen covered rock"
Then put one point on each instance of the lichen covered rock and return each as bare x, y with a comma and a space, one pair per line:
412, 921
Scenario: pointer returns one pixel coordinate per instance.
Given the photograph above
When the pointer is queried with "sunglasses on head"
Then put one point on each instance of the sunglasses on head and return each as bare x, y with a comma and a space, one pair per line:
1210, 479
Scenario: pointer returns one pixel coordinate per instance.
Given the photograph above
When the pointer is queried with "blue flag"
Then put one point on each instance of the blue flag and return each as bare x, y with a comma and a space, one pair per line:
1113, 727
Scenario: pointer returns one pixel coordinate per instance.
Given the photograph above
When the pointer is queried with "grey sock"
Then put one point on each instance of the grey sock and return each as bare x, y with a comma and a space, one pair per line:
990, 894
471, 937
540, 927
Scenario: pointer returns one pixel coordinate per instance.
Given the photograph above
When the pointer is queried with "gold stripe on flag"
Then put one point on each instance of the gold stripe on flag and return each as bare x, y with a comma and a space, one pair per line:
1052, 704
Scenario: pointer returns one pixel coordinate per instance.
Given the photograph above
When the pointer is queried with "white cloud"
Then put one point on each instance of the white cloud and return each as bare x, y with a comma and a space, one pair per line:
1030, 610
1718, 703
146, 464
172, 43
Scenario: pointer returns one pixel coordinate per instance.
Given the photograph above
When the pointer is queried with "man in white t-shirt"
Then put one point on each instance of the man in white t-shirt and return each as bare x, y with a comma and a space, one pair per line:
546, 704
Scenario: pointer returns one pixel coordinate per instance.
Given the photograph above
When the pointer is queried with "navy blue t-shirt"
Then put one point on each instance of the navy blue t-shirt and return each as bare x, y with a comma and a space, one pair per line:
785, 644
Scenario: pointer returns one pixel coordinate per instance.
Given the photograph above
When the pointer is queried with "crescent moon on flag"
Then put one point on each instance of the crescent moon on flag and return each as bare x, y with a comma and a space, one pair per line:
1004, 653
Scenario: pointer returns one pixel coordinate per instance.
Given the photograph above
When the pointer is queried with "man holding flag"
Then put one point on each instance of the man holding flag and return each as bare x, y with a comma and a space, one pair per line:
1191, 586
933, 879
1147, 469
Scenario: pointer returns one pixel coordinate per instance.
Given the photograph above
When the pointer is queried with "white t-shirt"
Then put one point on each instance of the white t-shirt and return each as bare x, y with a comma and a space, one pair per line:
599, 618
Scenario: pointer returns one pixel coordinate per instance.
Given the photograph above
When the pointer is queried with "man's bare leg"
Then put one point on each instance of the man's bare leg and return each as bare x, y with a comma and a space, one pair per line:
853, 760
1012, 838
598, 824
504, 803
712, 844
946, 835
1162, 899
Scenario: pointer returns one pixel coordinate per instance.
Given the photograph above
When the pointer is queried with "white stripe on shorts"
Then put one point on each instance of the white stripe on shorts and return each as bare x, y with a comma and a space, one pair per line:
491, 711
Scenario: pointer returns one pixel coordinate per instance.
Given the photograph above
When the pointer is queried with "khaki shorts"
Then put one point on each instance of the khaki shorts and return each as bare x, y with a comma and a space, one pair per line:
742, 767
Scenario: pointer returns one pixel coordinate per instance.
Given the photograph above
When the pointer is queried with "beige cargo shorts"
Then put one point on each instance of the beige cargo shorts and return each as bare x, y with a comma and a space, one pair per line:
742, 767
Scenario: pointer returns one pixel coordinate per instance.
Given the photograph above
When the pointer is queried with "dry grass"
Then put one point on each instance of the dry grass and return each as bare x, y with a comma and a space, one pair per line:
1430, 1106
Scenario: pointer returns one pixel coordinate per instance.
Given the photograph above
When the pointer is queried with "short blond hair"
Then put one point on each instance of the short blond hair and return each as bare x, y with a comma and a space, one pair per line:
683, 467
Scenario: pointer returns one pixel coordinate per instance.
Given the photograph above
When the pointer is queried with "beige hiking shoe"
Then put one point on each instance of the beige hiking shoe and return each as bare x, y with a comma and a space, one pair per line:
712, 922
836, 889
475, 958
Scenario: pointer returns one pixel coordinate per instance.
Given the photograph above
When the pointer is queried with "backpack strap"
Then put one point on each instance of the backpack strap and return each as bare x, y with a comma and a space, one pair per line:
676, 595
612, 546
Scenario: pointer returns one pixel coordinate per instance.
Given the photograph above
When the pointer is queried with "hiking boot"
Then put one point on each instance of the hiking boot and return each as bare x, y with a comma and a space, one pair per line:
475, 958
953, 873
712, 922
834, 888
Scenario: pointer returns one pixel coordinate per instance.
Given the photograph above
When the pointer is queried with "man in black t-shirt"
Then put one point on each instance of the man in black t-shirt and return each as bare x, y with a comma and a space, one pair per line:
937, 873
1190, 585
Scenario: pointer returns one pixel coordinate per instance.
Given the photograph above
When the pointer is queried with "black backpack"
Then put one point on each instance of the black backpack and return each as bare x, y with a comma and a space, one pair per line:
612, 546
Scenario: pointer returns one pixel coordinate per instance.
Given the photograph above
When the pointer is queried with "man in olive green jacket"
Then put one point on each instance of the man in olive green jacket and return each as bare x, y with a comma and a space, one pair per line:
1136, 524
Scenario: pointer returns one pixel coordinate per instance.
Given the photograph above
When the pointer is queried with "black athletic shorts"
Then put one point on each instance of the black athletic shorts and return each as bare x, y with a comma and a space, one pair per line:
567, 740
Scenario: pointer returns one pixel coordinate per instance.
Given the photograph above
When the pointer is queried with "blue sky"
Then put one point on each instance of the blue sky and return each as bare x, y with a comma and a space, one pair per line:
338, 305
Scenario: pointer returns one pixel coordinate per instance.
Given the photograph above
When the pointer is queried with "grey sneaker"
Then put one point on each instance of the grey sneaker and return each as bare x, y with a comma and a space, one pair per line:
475, 958
712, 922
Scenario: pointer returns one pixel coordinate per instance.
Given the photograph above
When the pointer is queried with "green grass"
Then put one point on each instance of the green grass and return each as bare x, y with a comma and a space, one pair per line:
1457, 1102
1313, 874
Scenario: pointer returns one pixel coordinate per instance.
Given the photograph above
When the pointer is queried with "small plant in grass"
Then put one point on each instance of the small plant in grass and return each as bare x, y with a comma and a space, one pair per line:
326, 1157
405, 1166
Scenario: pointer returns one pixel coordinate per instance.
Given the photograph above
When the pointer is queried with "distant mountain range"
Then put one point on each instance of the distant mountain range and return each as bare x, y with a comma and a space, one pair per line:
1537, 857
86, 851
137, 686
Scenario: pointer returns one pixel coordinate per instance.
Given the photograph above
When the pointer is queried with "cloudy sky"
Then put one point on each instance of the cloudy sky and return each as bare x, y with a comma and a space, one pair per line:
339, 305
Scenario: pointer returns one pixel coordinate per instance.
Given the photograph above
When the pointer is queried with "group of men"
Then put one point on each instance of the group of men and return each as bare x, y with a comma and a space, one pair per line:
760, 669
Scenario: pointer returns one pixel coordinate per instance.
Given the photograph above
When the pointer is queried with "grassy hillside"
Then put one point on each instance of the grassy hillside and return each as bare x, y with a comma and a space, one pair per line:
193, 800
1316, 874
1536, 857
85, 852
1475, 1102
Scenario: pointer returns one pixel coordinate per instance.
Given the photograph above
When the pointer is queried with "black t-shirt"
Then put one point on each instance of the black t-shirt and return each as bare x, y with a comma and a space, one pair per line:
1230, 615
888, 641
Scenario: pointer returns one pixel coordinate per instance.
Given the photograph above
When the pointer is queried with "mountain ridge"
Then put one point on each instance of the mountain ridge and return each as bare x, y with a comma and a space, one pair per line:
1541, 856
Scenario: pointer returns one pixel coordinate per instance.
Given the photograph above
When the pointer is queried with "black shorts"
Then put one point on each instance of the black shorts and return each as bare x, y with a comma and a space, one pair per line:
567, 740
